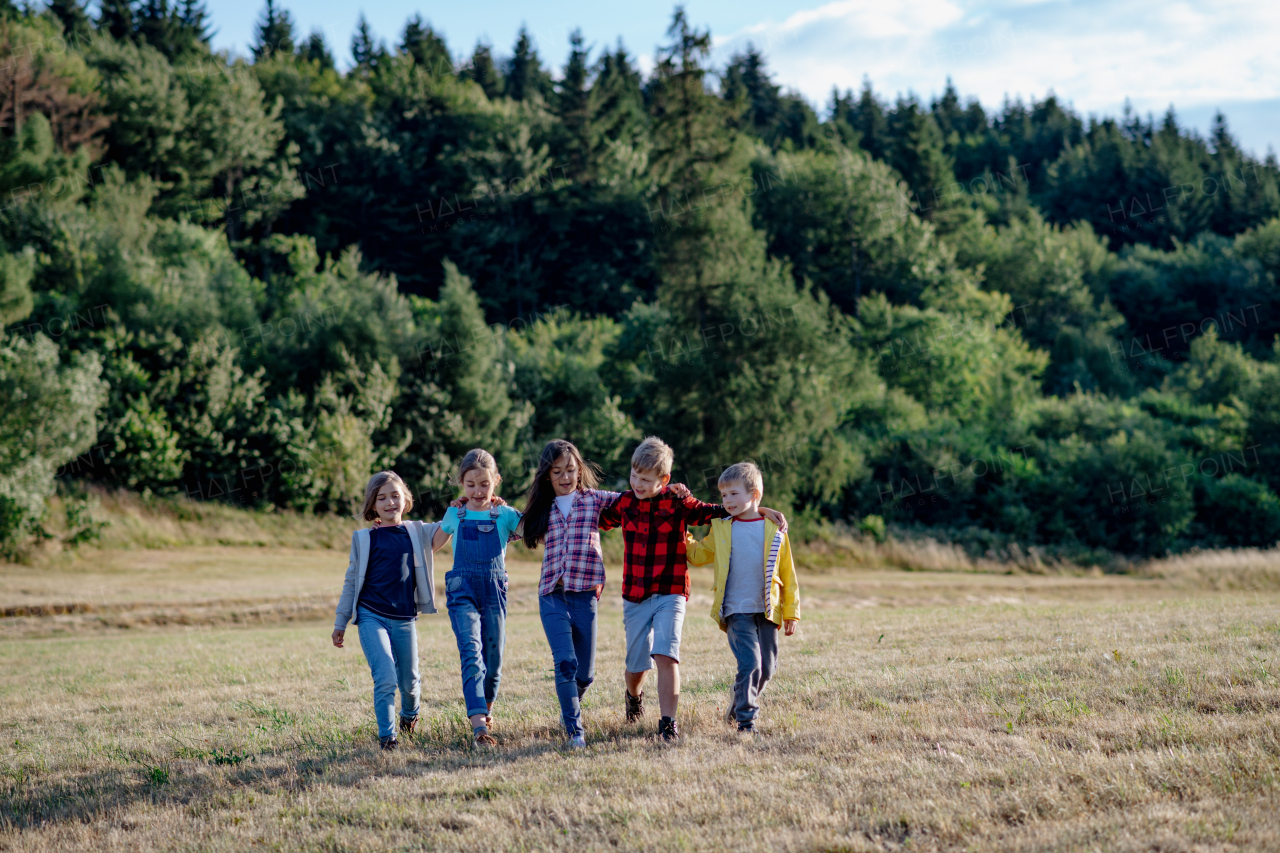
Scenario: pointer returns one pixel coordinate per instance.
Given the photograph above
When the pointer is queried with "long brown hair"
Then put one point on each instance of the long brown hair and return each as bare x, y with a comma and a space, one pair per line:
369, 511
537, 507
479, 459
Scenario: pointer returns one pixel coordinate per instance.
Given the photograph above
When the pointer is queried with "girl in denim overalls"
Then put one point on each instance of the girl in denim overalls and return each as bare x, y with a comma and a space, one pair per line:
476, 586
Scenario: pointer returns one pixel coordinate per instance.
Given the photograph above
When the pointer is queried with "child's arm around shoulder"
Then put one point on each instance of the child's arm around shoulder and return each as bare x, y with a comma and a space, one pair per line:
449, 524
611, 515
509, 517
439, 537
695, 512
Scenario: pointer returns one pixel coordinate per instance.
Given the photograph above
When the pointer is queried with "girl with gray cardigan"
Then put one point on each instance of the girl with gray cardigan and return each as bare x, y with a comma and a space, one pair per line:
390, 580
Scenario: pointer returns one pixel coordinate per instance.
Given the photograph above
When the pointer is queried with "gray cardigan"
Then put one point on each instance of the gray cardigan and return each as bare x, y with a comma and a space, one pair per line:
421, 534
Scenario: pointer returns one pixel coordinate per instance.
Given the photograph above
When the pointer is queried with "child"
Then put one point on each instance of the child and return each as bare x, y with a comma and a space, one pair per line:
563, 510
755, 588
476, 586
655, 582
385, 598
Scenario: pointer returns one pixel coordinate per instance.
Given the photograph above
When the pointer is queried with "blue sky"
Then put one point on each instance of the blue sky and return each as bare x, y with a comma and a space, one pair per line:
1198, 55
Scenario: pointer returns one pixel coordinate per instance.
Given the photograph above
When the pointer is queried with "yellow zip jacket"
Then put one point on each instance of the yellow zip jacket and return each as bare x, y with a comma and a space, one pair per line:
783, 600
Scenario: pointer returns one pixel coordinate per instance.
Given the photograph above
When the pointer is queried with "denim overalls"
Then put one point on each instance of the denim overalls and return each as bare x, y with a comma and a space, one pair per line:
476, 595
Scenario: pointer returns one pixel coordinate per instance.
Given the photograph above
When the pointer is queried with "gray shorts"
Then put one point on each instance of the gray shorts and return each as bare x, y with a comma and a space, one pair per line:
653, 628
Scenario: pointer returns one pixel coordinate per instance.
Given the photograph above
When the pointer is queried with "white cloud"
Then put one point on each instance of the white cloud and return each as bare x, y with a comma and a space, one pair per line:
1193, 54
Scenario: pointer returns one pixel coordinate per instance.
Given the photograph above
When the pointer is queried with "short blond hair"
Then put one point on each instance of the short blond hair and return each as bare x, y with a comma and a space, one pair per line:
745, 473
653, 456
376, 482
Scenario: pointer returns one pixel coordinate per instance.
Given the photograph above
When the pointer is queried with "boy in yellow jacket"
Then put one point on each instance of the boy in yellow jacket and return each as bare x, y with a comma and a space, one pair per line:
755, 589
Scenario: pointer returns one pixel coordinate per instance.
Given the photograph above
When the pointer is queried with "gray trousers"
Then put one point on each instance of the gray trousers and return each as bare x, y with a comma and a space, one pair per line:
753, 640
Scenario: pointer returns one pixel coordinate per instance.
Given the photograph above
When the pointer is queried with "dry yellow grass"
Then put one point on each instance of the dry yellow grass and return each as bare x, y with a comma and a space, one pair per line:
915, 711
1243, 569
137, 522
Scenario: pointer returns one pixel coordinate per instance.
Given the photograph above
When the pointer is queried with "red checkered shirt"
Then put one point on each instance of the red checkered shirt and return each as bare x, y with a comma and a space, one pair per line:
571, 549
653, 531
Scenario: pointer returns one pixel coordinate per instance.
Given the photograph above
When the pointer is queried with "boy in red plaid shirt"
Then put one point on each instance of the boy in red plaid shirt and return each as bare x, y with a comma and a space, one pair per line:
655, 581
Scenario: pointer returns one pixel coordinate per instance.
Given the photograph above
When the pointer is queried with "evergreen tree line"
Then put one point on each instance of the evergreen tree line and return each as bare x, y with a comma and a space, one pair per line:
259, 279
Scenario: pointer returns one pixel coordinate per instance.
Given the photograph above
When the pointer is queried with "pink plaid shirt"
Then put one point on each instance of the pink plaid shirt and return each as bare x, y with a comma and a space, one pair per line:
571, 551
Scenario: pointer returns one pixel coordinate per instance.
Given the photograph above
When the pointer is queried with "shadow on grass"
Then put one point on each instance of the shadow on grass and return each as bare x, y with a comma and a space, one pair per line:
32, 798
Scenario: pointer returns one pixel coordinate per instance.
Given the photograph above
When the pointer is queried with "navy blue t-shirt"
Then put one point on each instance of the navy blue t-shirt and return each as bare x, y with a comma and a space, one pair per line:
388, 581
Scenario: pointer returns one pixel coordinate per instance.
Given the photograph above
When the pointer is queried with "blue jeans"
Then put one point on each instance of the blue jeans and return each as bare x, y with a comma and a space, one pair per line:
753, 640
569, 620
391, 648
476, 595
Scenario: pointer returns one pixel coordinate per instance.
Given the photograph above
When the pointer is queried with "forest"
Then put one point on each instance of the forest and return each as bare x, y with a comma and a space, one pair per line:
258, 279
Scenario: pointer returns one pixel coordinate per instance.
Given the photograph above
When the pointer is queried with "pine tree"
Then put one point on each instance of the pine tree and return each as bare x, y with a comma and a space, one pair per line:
916, 151
526, 78
689, 127
157, 25
469, 375
868, 119
315, 49
617, 99
76, 27
483, 70
366, 52
116, 18
573, 103
948, 113
747, 86
274, 33
176, 31
195, 17
840, 119
427, 48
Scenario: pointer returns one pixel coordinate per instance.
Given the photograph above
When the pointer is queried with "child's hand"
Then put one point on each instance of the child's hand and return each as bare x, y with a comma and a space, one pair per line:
680, 490
458, 503
789, 626
776, 517
337, 637
497, 501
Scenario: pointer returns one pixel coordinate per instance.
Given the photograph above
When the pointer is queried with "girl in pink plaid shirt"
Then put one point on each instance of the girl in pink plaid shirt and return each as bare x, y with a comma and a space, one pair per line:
562, 512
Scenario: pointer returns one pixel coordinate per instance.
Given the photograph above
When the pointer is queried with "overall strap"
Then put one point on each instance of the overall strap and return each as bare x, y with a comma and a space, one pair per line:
493, 513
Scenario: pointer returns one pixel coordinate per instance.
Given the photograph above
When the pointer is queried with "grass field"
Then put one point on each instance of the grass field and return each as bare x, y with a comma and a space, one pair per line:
190, 699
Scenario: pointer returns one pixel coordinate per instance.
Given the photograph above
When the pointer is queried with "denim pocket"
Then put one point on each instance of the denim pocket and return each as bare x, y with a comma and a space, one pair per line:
452, 584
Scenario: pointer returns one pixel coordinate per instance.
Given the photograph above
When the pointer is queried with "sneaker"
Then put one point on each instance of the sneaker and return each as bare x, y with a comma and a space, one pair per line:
408, 724
635, 705
668, 730
484, 740
577, 742
389, 743
747, 728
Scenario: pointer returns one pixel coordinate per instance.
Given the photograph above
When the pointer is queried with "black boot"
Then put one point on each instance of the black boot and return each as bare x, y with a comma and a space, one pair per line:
668, 730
